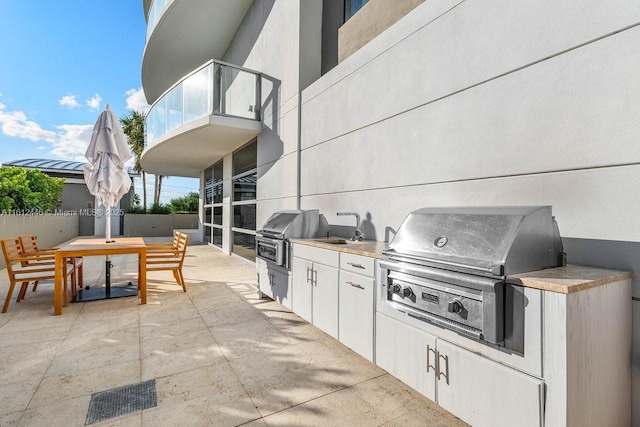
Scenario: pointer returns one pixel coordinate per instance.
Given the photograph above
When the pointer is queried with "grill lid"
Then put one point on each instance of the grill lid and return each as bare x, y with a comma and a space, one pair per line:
490, 241
291, 224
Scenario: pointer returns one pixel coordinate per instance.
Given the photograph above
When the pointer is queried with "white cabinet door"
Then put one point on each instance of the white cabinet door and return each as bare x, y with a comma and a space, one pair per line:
263, 278
280, 287
302, 288
273, 282
325, 298
485, 393
405, 353
355, 313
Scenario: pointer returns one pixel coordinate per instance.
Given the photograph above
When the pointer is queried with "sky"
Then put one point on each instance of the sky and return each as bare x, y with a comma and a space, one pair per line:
61, 63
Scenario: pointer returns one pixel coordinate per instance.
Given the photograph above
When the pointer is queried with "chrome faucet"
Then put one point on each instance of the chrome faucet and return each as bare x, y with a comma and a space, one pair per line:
357, 234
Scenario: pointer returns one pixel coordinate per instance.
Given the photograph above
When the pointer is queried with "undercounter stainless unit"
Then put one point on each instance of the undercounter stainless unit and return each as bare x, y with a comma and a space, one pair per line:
273, 240
450, 267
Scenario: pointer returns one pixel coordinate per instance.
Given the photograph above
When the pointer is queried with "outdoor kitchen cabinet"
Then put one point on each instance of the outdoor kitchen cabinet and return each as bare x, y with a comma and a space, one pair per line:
476, 389
273, 281
356, 303
315, 287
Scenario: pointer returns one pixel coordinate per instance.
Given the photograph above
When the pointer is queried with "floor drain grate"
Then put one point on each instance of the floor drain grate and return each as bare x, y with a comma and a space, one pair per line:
122, 400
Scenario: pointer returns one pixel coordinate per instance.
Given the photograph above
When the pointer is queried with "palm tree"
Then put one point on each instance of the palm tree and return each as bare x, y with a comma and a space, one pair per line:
133, 127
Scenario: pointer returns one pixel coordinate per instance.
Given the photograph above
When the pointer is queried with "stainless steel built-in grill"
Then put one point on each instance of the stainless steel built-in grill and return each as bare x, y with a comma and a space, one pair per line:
449, 267
272, 242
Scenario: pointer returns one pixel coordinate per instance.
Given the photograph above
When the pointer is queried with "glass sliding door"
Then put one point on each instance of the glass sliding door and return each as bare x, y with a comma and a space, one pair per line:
212, 215
244, 179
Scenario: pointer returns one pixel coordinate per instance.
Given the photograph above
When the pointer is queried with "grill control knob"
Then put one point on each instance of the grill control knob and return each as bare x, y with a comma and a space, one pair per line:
407, 292
396, 289
455, 306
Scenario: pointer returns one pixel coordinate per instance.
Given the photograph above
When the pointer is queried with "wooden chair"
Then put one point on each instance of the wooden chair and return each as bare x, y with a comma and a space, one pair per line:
30, 268
170, 259
30, 247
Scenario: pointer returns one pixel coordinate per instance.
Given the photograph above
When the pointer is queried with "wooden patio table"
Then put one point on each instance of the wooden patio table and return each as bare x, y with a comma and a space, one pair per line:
96, 247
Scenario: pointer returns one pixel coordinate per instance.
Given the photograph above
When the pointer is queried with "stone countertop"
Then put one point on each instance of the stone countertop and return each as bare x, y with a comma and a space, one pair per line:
565, 280
368, 248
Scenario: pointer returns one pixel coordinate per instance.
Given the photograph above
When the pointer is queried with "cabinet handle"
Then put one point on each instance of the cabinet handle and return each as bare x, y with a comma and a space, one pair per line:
353, 264
435, 354
446, 365
272, 279
314, 277
355, 285
308, 274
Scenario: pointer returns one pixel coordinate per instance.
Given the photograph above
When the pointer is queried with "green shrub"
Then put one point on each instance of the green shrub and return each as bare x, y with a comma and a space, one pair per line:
185, 204
159, 208
29, 189
137, 209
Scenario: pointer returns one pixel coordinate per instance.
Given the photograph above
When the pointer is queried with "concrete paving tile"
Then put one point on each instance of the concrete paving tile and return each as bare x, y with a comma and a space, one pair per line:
290, 388
401, 405
129, 420
341, 408
250, 337
87, 352
195, 383
230, 314
15, 396
72, 412
261, 366
220, 300
33, 335
24, 362
300, 331
161, 364
11, 419
173, 338
208, 289
32, 318
255, 423
104, 319
79, 383
229, 408
163, 312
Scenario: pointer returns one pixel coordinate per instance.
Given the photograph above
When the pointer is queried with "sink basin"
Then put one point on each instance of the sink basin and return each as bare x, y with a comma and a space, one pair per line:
333, 241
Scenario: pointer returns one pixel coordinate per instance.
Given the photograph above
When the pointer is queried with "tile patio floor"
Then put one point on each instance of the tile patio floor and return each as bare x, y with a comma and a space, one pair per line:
219, 355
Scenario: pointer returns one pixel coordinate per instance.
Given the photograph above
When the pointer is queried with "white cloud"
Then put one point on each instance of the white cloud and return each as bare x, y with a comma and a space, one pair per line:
69, 101
94, 103
16, 124
68, 142
136, 101
72, 141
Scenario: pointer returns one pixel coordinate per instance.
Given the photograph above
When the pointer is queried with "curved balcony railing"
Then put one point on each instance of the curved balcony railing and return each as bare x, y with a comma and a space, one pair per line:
215, 88
155, 13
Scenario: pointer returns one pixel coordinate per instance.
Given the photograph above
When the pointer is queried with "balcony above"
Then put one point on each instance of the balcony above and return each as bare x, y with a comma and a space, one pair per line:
182, 34
206, 115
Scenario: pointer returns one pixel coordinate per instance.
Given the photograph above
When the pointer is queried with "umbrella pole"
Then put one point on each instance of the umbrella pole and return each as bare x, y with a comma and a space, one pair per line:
108, 260
107, 277
108, 225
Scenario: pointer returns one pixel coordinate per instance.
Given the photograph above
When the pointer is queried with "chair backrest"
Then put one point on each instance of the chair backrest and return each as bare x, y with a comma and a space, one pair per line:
183, 241
29, 243
11, 250
176, 238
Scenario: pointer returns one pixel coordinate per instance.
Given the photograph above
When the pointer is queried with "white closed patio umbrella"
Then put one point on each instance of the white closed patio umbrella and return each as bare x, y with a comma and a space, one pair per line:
105, 174
107, 179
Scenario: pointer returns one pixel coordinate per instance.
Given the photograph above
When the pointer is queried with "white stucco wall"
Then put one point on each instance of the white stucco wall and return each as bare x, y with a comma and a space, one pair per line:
485, 103
281, 39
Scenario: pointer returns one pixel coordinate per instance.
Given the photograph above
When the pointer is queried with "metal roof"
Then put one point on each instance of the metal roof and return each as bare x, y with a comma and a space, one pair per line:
54, 165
